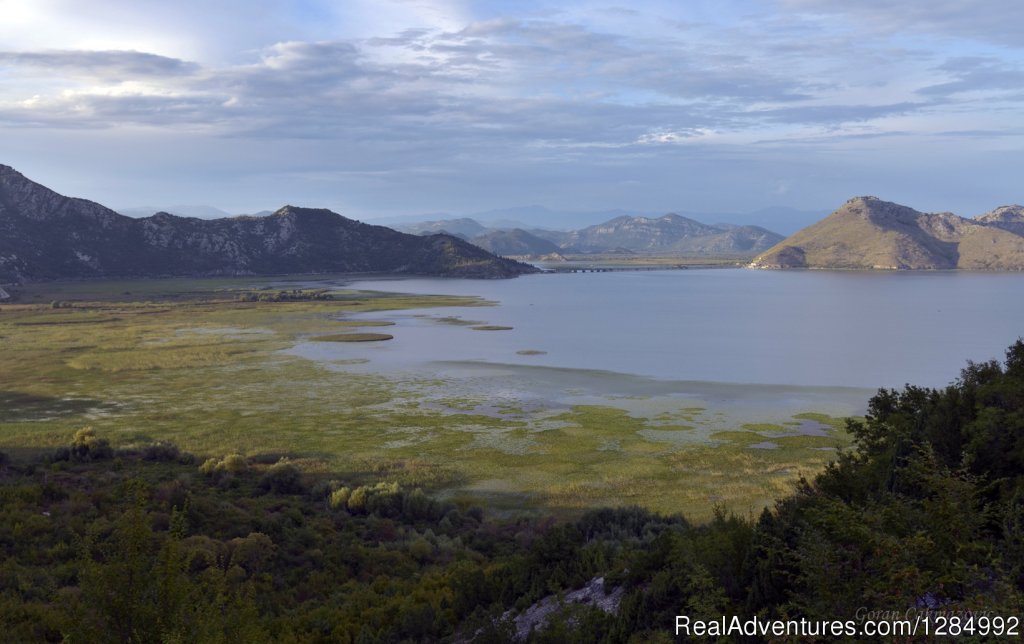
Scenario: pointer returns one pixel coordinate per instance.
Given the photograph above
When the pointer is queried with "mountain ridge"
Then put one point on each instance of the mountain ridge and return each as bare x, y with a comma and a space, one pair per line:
869, 233
1009, 218
46, 235
779, 219
670, 234
516, 242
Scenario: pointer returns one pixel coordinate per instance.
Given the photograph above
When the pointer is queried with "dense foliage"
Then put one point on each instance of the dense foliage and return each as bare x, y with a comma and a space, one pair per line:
151, 545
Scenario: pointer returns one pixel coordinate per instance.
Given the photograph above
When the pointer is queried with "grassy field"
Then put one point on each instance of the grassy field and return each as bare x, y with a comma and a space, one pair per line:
201, 363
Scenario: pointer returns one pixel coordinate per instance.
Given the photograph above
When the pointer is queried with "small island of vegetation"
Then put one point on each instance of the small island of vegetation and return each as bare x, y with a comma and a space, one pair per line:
353, 337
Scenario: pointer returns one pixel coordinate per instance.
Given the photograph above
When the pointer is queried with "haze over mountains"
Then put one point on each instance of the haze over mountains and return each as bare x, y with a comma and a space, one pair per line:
525, 217
779, 219
45, 235
515, 243
537, 231
182, 210
868, 233
666, 235
671, 234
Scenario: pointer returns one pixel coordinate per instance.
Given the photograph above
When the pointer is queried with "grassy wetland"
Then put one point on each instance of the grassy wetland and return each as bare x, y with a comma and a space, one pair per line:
205, 364
327, 491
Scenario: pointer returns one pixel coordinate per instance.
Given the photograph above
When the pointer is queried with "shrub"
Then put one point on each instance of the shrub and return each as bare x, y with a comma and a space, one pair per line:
230, 464
420, 549
382, 499
233, 464
339, 498
251, 552
283, 478
172, 493
209, 466
357, 500
161, 451
417, 506
85, 446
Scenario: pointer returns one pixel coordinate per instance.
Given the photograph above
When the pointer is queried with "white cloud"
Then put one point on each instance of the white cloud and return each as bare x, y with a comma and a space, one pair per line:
673, 137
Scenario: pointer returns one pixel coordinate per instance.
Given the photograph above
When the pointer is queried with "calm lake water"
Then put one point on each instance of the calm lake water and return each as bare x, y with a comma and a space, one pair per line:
804, 328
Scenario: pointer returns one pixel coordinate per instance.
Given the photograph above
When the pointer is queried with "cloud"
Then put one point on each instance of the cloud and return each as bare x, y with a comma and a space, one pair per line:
493, 80
992, 21
509, 81
837, 114
523, 92
669, 136
976, 74
108, 65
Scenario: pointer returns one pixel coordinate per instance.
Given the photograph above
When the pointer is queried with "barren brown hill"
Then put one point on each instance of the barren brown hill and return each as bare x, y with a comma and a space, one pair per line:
868, 233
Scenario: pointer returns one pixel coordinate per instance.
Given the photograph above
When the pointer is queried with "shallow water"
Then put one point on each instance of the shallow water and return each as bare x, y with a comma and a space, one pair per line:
798, 328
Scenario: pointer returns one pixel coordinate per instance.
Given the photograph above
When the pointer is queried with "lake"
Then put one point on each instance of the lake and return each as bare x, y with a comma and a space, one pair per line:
802, 328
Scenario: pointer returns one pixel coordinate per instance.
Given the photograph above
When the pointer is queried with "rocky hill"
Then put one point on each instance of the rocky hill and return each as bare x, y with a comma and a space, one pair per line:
670, 234
1009, 218
44, 235
868, 233
500, 241
516, 242
463, 227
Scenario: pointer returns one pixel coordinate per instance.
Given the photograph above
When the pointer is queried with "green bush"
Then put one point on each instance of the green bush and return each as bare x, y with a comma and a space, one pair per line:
339, 498
209, 466
282, 478
85, 446
161, 451
233, 464
230, 464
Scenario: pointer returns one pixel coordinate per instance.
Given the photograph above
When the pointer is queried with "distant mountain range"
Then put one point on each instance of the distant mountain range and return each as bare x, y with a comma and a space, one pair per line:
775, 218
868, 233
44, 235
182, 210
524, 217
671, 234
463, 227
515, 243
666, 235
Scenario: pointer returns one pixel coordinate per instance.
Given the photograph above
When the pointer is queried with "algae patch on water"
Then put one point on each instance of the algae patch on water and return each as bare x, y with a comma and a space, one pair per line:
362, 323
455, 320
353, 337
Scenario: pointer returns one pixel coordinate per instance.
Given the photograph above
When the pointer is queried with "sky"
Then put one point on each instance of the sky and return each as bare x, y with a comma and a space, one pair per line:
378, 108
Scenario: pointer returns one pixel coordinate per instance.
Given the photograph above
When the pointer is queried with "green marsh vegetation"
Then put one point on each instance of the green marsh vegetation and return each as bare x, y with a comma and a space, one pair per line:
363, 323
200, 363
457, 321
923, 512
